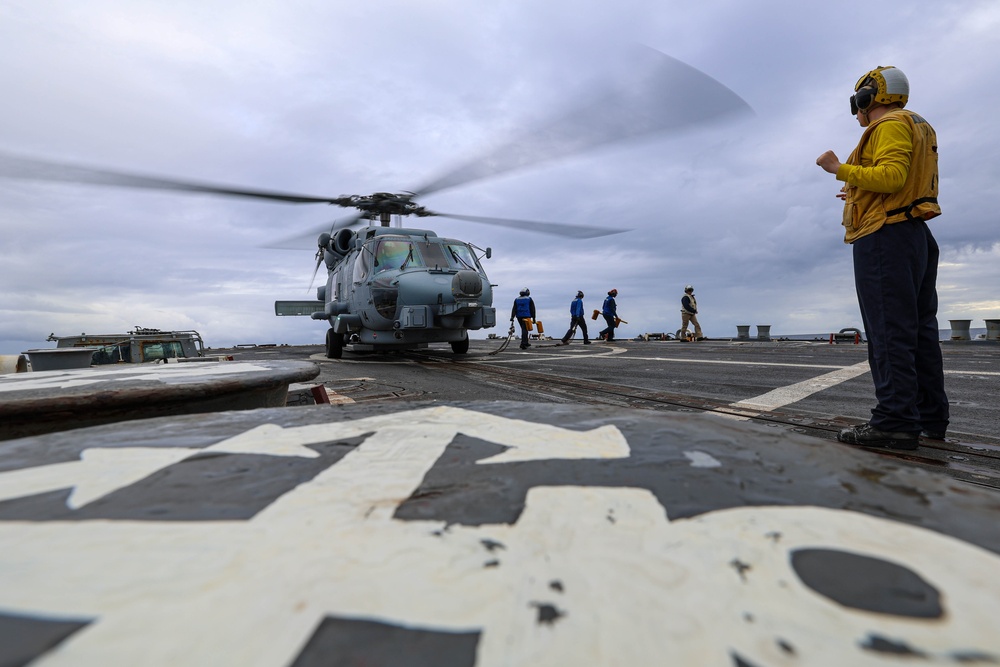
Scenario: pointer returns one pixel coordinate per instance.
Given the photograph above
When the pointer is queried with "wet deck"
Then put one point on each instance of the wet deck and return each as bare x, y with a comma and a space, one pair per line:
802, 387
632, 504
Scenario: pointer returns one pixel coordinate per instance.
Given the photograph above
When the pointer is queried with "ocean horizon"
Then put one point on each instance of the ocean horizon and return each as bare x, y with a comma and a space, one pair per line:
943, 334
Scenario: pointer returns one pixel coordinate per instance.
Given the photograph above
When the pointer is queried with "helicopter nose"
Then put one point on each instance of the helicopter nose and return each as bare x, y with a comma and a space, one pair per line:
466, 284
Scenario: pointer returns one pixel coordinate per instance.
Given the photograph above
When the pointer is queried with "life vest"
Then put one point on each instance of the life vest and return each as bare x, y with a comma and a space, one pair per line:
692, 304
522, 305
610, 307
865, 211
576, 308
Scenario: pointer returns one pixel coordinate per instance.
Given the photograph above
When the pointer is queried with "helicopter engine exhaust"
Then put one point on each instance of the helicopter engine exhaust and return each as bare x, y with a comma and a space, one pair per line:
336, 245
342, 241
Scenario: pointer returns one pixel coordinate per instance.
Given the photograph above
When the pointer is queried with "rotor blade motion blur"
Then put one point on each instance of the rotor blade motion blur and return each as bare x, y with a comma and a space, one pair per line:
307, 238
554, 228
12, 166
655, 96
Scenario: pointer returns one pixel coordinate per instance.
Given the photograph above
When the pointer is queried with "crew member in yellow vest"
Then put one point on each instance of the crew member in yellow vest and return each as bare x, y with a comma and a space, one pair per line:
689, 314
890, 191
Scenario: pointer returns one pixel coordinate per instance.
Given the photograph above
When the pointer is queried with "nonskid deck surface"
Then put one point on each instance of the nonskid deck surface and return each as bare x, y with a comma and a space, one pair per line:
536, 507
813, 388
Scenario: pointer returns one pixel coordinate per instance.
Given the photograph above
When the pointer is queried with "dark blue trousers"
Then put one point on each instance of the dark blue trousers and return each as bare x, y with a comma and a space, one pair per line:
610, 331
895, 273
524, 332
576, 322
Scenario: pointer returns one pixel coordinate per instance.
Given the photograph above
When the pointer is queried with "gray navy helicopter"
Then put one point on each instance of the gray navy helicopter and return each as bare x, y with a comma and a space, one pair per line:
391, 288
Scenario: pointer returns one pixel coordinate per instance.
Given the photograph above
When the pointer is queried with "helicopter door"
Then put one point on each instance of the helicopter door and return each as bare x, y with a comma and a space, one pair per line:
362, 265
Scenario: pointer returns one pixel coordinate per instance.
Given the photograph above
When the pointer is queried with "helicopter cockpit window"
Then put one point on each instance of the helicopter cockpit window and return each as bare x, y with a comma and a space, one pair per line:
393, 254
434, 255
462, 257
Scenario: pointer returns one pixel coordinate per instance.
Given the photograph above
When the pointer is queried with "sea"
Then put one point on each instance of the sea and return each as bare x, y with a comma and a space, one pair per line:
943, 334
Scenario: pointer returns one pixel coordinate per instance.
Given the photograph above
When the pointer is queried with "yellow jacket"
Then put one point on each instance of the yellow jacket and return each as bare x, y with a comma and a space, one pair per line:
891, 176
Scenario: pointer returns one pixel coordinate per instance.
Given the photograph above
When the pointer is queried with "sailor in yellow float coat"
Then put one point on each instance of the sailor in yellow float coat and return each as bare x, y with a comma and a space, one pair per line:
890, 191
901, 184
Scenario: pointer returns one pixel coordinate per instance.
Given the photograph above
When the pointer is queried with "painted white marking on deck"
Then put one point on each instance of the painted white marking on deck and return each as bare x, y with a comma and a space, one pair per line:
167, 374
702, 460
634, 586
993, 373
104, 470
97, 473
524, 356
793, 393
776, 398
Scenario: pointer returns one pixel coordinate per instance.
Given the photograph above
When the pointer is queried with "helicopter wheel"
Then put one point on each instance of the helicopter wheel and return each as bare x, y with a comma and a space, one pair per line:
460, 346
334, 344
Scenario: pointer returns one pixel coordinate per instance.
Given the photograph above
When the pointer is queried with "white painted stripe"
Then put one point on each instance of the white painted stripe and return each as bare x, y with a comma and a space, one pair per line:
800, 390
606, 354
971, 373
730, 362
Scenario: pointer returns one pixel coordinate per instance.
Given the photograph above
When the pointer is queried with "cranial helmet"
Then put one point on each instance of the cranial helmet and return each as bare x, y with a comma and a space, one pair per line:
689, 288
525, 292
613, 292
882, 85
579, 294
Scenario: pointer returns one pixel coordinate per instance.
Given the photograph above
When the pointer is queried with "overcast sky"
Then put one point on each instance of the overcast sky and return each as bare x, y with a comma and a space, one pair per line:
338, 97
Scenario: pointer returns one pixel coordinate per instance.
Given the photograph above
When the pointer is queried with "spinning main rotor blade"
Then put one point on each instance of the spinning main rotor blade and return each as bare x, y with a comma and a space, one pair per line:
13, 166
554, 228
308, 238
664, 94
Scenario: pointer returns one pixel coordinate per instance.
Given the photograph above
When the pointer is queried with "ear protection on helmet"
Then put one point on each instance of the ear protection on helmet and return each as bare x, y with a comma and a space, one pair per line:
863, 98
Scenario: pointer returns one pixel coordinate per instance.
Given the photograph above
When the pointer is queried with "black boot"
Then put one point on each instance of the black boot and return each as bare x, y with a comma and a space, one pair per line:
867, 435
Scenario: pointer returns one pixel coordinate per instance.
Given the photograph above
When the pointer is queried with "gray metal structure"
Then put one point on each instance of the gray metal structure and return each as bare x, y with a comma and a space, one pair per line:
137, 346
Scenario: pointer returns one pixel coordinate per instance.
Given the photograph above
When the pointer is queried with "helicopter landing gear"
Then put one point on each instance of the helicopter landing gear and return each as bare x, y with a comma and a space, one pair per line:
334, 344
460, 346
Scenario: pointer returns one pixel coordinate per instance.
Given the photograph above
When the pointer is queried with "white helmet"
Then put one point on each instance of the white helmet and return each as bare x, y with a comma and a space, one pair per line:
689, 288
882, 85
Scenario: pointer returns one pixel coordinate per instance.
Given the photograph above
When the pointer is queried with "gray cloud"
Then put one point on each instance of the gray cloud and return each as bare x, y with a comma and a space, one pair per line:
352, 97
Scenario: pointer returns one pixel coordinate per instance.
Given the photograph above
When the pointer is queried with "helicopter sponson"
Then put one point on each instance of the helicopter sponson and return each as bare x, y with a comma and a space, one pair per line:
398, 288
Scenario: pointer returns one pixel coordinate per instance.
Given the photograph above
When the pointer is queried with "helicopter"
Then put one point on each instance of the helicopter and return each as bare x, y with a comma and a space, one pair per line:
391, 288
398, 288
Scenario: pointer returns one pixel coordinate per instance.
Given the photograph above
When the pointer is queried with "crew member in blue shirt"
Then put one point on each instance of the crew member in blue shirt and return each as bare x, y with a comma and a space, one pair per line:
576, 320
610, 312
524, 309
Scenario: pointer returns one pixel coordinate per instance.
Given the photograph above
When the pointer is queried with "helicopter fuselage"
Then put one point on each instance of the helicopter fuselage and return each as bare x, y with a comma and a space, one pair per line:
398, 288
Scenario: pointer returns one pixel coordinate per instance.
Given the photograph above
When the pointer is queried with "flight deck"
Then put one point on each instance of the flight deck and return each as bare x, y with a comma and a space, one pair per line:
625, 503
